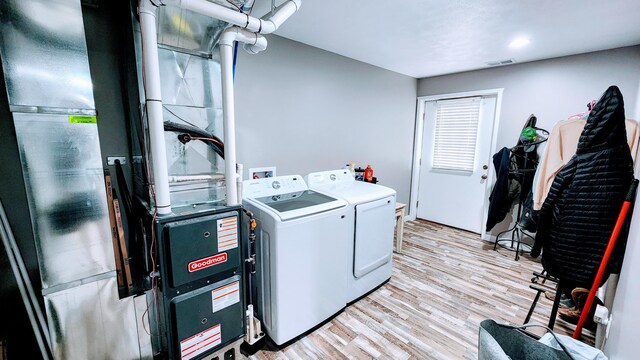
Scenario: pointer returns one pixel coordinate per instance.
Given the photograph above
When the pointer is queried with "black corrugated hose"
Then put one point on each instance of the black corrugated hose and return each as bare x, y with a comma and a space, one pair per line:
196, 133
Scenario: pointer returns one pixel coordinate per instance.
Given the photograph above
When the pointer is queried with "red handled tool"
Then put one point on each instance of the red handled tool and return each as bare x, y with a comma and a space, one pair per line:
605, 258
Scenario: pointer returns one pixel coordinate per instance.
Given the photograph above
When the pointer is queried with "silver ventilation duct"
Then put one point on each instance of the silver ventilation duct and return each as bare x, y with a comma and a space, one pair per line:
45, 63
45, 57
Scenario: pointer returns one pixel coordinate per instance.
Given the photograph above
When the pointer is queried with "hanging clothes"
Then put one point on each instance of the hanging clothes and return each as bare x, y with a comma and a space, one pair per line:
499, 200
580, 211
512, 183
562, 145
529, 219
526, 162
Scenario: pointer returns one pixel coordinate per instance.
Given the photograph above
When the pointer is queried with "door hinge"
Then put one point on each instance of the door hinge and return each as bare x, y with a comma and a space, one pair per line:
423, 116
417, 202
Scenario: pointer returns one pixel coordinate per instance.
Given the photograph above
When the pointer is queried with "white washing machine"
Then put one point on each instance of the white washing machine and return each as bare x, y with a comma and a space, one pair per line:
371, 220
301, 252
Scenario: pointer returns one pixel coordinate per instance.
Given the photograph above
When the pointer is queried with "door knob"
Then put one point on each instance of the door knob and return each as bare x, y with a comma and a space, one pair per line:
484, 177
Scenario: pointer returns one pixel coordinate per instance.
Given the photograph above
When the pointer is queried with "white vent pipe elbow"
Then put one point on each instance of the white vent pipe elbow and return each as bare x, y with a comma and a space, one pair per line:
272, 20
254, 43
265, 25
153, 105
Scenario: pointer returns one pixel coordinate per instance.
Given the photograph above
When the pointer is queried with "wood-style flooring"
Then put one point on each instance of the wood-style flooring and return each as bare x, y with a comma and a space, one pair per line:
443, 285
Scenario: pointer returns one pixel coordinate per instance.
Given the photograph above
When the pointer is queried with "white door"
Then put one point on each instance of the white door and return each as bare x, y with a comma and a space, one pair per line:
456, 150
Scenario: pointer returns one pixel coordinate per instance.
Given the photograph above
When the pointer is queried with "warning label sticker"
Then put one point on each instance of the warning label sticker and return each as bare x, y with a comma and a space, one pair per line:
227, 233
199, 343
225, 296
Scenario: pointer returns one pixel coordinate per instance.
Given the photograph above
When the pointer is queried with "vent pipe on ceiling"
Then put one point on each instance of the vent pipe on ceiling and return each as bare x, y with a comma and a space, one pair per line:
265, 25
246, 31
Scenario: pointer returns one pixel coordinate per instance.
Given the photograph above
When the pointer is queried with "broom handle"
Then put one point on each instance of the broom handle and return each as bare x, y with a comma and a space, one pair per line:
605, 258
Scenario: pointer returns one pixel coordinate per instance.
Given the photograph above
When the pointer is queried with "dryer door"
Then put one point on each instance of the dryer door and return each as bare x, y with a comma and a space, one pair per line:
374, 235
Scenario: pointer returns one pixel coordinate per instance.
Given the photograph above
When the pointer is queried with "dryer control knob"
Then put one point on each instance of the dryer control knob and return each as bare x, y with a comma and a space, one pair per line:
276, 185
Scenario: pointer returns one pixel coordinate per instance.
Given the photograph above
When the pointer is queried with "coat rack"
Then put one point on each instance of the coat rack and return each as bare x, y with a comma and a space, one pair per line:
517, 231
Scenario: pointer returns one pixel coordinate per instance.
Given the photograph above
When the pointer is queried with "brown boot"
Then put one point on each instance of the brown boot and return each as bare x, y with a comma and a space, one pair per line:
550, 295
579, 296
565, 301
572, 315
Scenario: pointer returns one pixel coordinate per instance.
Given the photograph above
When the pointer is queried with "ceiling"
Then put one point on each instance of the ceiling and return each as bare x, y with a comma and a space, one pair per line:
422, 38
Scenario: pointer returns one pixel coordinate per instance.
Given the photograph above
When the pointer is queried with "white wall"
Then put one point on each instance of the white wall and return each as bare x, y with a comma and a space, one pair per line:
303, 109
551, 89
624, 332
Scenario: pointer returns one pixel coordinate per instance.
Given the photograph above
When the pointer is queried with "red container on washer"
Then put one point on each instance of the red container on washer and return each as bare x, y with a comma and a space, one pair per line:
368, 174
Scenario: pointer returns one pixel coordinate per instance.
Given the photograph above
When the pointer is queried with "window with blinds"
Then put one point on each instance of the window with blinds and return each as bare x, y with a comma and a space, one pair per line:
456, 132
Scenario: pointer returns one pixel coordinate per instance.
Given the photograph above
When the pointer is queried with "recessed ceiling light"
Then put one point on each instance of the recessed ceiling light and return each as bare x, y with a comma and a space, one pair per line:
519, 42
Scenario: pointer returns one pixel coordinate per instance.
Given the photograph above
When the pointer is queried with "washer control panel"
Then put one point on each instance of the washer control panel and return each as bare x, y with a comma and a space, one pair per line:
331, 177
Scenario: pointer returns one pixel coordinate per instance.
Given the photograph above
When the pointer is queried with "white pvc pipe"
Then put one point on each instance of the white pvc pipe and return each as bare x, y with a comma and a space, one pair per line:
255, 43
246, 31
273, 20
239, 172
266, 25
226, 55
153, 103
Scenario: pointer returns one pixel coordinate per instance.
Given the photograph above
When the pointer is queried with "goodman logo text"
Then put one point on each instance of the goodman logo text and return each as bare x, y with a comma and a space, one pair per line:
207, 262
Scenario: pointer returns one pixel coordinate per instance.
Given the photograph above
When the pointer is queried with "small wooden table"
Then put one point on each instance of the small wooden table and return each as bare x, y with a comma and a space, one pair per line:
399, 225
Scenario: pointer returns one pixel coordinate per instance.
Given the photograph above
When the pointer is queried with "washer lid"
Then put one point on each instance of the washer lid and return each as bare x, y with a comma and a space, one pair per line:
302, 203
340, 183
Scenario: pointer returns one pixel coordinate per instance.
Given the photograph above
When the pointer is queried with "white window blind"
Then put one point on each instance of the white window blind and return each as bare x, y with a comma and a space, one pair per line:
454, 147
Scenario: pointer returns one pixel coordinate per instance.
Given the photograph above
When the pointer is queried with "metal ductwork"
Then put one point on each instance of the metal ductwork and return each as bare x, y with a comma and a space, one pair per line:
50, 92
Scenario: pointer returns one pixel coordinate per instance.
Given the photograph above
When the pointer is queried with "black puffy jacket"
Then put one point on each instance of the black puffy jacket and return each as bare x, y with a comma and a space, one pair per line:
580, 211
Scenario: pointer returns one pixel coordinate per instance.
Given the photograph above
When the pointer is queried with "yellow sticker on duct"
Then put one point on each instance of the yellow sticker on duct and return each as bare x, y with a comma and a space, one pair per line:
82, 119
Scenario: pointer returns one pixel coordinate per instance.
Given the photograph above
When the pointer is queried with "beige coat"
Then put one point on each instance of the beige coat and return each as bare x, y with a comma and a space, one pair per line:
561, 146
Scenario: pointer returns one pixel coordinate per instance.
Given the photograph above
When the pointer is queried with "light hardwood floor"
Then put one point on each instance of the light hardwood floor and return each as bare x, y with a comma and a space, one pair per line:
443, 285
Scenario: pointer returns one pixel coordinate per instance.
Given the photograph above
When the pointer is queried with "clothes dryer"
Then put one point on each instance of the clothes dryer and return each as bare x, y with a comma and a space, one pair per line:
371, 217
